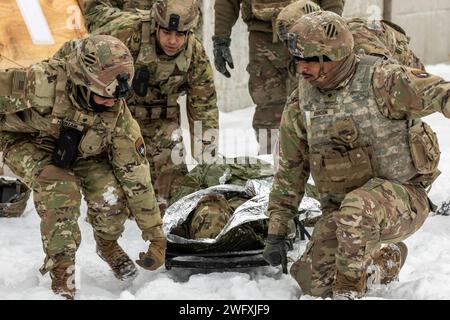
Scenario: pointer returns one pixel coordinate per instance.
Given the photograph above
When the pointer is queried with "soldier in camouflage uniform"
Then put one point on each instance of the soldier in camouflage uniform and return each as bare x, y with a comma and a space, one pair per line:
130, 5
269, 84
65, 128
214, 211
170, 62
355, 124
378, 38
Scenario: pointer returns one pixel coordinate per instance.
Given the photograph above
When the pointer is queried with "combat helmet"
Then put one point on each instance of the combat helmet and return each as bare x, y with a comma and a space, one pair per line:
102, 65
176, 15
291, 13
321, 34
13, 197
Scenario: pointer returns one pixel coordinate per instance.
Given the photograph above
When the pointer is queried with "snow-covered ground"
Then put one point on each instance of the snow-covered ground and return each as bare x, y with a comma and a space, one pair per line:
426, 274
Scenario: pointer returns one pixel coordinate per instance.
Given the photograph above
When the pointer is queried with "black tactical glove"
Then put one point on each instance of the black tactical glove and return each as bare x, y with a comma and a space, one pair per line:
275, 251
222, 55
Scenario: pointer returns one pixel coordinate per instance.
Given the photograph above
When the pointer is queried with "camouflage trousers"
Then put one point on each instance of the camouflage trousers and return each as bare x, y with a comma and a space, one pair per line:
165, 153
269, 85
57, 199
344, 240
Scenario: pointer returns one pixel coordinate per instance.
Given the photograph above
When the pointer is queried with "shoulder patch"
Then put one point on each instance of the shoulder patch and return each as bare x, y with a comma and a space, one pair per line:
420, 74
140, 146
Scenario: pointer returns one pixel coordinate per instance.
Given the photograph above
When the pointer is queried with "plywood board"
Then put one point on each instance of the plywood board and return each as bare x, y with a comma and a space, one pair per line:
63, 18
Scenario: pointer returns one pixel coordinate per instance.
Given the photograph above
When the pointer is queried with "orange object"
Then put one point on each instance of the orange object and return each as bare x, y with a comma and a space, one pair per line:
17, 46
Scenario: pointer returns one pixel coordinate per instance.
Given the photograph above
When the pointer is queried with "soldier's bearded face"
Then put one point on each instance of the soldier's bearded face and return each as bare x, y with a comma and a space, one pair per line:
171, 41
107, 102
310, 71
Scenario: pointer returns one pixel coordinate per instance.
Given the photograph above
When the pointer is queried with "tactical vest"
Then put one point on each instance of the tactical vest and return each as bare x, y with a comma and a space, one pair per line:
53, 108
167, 77
350, 141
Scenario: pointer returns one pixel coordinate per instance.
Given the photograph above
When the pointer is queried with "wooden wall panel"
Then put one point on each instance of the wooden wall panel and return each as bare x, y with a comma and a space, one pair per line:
65, 22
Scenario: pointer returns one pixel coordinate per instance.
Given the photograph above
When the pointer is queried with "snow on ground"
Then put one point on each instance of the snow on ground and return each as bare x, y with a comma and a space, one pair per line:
426, 274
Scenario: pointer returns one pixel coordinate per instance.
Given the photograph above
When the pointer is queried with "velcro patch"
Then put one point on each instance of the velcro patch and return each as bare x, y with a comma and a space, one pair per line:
140, 146
19, 82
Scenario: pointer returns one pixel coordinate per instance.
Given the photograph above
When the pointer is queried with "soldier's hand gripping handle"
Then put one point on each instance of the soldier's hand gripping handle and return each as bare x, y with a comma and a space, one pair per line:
222, 55
275, 251
155, 256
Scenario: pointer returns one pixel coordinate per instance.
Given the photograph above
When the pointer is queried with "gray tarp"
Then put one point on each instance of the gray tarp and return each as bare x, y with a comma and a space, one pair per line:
252, 210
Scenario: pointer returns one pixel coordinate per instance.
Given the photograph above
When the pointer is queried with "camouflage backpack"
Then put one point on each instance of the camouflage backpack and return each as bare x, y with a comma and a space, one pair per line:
267, 10
13, 197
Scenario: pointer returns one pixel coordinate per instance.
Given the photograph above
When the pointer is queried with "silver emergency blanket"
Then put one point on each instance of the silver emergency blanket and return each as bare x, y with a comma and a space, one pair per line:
252, 210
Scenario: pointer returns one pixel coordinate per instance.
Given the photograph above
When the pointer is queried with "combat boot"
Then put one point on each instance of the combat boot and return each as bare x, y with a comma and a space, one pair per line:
386, 264
119, 262
348, 288
63, 279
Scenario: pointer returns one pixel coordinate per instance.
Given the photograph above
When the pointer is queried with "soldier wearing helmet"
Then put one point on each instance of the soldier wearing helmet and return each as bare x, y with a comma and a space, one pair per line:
133, 5
379, 38
66, 128
269, 84
170, 62
354, 124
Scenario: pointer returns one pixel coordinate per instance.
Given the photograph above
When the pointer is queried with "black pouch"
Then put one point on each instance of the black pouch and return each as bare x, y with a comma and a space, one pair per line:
66, 148
140, 82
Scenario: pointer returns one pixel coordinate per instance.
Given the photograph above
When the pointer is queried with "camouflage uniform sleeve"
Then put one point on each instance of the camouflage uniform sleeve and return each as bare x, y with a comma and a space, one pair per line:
337, 6
22, 89
192, 182
406, 93
201, 93
226, 13
132, 170
293, 171
102, 18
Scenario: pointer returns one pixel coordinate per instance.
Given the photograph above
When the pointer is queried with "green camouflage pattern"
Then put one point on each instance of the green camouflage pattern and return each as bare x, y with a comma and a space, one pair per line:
269, 85
407, 93
209, 217
96, 61
187, 10
137, 4
291, 13
132, 5
383, 38
349, 140
164, 142
269, 80
213, 212
111, 169
158, 112
267, 10
321, 33
401, 94
344, 241
231, 171
14, 197
227, 13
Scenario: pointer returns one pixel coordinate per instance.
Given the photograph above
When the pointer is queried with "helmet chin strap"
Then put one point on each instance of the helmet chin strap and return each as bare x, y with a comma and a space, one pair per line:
322, 75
